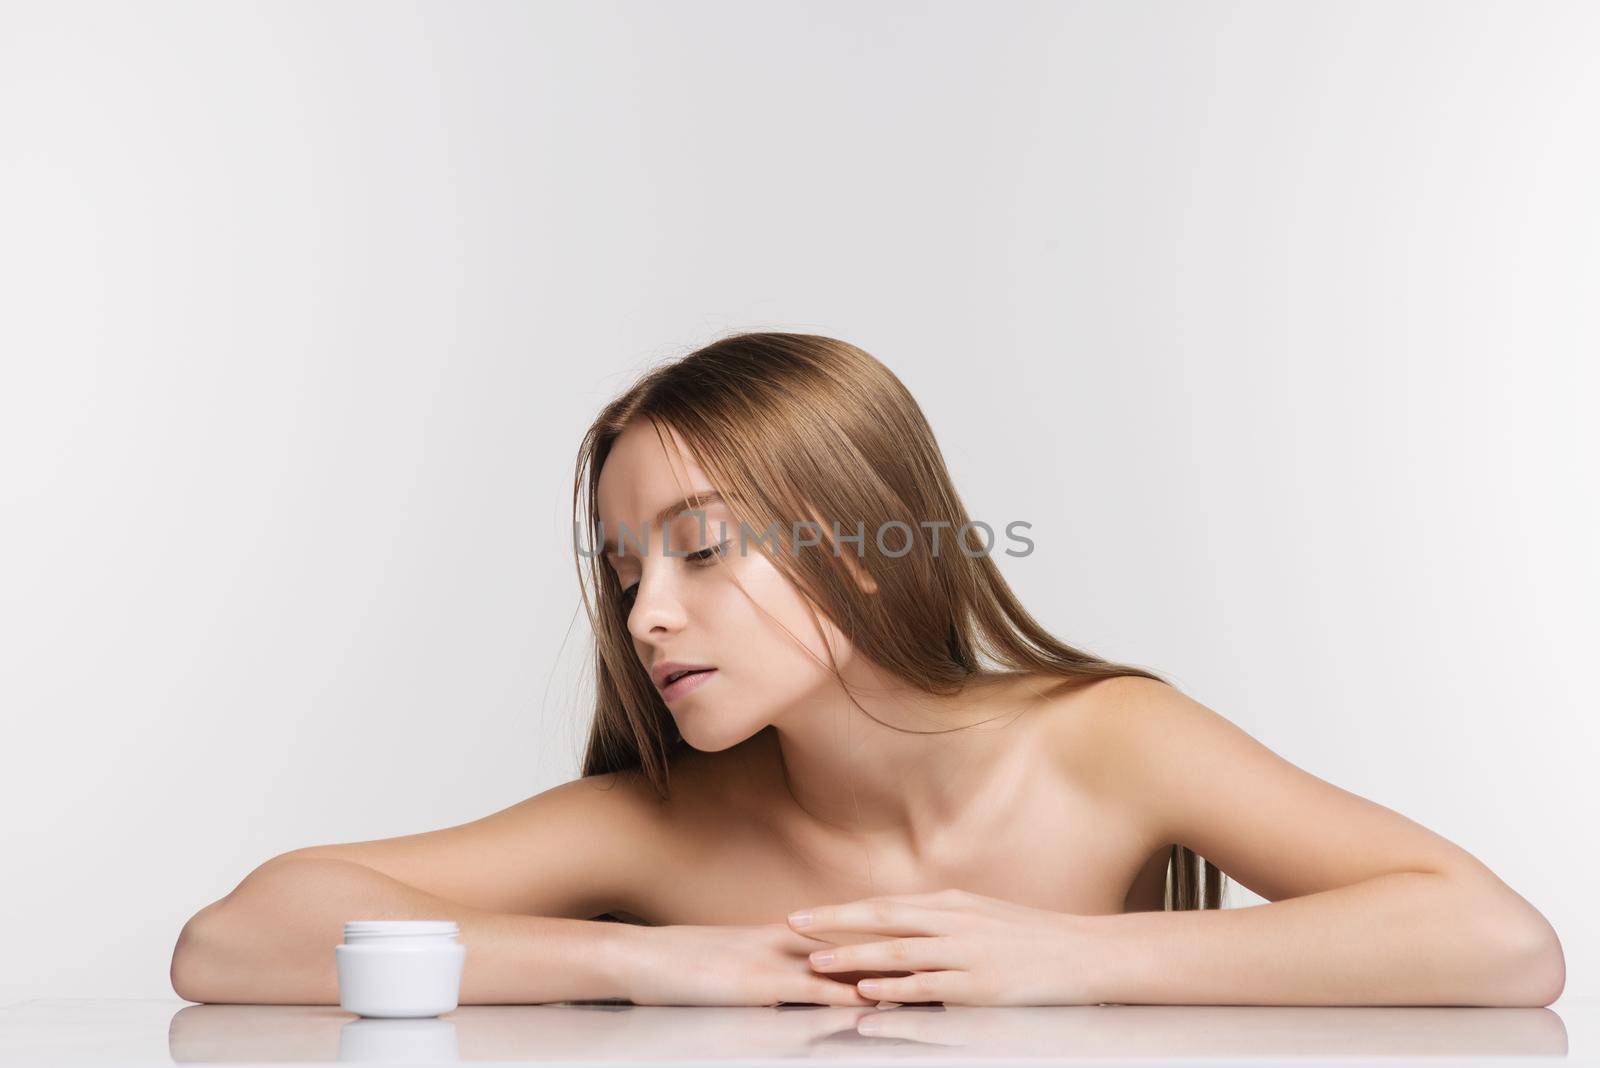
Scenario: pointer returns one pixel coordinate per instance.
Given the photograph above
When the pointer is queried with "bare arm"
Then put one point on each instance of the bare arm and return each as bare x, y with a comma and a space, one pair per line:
1366, 907
271, 940
520, 883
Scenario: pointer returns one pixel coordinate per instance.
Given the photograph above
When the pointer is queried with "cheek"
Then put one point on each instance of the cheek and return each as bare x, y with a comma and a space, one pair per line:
773, 627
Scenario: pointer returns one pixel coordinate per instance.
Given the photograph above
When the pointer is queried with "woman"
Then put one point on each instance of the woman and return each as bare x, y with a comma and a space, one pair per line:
833, 760
885, 735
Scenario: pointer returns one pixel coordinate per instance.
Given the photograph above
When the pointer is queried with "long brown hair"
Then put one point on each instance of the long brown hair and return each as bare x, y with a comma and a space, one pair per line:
792, 428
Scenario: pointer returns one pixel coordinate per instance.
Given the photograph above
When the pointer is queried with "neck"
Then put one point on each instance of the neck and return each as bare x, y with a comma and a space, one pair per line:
905, 766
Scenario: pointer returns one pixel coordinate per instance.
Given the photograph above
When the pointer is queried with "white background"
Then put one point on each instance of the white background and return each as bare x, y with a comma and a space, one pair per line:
1277, 320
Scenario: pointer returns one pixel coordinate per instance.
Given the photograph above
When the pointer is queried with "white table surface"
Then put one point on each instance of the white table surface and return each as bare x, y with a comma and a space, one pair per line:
55, 1031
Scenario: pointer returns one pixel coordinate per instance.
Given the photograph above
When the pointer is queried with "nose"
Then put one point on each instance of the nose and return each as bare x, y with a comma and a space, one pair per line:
657, 611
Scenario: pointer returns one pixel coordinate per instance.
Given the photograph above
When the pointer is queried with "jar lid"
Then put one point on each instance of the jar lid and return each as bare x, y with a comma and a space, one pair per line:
405, 928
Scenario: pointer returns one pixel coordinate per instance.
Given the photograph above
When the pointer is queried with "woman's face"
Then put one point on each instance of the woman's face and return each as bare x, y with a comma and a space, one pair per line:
691, 610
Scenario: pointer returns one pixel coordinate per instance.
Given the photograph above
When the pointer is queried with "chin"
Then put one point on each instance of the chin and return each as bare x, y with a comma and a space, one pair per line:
710, 735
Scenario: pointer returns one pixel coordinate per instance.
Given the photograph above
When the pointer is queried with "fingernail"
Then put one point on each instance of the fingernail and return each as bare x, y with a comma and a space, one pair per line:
870, 1026
800, 919
868, 986
822, 957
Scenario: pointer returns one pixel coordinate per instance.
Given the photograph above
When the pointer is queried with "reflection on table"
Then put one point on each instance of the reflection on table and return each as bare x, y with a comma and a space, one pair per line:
577, 1032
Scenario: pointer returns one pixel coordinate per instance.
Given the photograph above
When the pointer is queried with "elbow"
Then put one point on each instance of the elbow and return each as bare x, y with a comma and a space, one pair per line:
1550, 972
1522, 964
204, 940
1537, 971
185, 971
192, 969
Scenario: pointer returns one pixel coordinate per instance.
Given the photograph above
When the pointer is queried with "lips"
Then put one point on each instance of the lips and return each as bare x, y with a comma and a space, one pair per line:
664, 674
684, 681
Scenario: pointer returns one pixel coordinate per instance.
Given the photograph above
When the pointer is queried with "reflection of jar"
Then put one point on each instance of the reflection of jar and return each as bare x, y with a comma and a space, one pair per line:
400, 967
399, 1041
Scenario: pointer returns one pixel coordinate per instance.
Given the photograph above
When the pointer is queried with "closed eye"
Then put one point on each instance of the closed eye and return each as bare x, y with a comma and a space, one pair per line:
704, 557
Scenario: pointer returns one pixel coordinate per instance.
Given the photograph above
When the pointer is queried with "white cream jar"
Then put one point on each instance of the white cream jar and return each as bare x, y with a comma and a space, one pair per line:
400, 968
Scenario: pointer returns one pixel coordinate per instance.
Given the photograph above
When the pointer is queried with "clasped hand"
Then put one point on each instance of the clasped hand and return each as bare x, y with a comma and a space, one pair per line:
959, 948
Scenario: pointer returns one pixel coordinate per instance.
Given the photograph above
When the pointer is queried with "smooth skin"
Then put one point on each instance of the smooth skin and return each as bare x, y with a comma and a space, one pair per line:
960, 865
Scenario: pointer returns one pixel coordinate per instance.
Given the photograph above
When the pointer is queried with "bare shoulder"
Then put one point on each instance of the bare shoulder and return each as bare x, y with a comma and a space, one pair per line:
1099, 732
1121, 724
1112, 723
1090, 723
1191, 775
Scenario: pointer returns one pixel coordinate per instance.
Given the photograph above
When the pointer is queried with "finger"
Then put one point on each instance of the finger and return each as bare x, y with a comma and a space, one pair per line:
878, 915
830, 939
894, 955
854, 977
820, 990
804, 943
947, 986
800, 945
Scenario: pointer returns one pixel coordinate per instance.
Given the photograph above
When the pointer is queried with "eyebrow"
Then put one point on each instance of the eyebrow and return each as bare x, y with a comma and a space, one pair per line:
706, 498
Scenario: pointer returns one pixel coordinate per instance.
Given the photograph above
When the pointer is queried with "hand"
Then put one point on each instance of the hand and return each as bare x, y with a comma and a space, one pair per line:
959, 948
687, 964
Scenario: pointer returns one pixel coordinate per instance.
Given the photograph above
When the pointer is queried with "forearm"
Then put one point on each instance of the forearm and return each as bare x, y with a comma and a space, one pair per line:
271, 941
1406, 938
